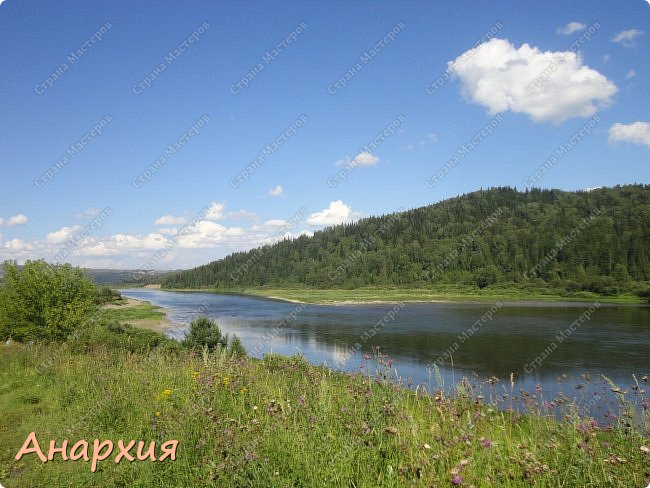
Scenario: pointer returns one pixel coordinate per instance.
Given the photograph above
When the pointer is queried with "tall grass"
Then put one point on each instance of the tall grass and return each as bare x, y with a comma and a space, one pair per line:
281, 422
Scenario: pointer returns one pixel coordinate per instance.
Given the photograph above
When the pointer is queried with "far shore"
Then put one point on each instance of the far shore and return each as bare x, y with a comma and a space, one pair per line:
366, 296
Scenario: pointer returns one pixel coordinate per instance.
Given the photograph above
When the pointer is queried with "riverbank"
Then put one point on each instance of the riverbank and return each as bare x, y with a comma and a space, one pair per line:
138, 313
395, 295
282, 422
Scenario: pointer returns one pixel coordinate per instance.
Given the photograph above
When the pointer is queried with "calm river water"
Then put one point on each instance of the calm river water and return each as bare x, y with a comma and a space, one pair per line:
525, 339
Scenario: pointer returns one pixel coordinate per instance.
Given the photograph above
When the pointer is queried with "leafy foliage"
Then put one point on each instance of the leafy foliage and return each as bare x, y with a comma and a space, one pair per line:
205, 332
536, 239
39, 301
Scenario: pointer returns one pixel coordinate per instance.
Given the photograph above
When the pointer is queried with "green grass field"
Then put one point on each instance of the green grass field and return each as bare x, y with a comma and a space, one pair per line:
281, 422
448, 293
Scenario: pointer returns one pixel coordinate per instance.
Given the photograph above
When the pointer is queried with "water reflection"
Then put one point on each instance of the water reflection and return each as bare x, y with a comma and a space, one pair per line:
615, 341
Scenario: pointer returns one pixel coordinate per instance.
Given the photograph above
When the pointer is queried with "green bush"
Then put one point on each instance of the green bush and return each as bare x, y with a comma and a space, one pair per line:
116, 335
39, 301
236, 348
205, 332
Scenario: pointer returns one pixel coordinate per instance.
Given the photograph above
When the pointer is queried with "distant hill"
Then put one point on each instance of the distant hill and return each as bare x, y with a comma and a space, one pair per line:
124, 276
596, 240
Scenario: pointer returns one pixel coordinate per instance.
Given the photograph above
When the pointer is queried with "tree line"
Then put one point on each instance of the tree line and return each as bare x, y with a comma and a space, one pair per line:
596, 240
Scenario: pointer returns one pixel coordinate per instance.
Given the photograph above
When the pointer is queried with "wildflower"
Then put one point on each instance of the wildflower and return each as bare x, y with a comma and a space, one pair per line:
538, 389
243, 390
195, 374
164, 394
226, 381
486, 443
254, 407
457, 480
157, 414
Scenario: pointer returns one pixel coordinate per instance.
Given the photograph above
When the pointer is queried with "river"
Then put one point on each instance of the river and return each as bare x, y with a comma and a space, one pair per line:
551, 349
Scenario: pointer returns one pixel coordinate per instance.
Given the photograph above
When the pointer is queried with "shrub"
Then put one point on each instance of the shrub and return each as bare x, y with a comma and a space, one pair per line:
39, 301
204, 332
116, 335
236, 348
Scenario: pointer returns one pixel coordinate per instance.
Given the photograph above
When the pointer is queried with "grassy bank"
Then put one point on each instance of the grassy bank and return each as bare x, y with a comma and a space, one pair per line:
137, 313
281, 422
446, 294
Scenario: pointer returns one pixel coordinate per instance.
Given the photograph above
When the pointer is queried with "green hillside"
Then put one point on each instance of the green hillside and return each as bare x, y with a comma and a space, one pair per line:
593, 241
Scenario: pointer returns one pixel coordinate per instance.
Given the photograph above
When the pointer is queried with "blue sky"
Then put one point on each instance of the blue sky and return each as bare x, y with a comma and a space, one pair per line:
546, 71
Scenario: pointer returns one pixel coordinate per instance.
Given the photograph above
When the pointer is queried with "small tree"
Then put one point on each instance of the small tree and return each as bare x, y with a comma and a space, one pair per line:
236, 348
204, 332
44, 302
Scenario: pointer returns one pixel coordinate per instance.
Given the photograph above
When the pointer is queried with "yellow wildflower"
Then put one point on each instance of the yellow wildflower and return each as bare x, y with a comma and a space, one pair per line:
195, 374
157, 414
167, 392
243, 390
226, 381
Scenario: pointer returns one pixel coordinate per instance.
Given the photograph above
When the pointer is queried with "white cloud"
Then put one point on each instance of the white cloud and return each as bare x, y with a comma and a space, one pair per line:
207, 234
63, 234
627, 37
170, 220
18, 219
18, 245
168, 231
635, 133
365, 159
607, 58
337, 213
630, 74
215, 211
278, 191
571, 27
362, 159
501, 77
89, 213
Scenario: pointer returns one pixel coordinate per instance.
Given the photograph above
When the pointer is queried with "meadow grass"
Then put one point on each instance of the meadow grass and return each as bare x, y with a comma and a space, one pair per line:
451, 293
282, 422
141, 310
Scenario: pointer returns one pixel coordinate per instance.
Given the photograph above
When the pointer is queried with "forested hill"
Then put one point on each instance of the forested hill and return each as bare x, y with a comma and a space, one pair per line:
595, 240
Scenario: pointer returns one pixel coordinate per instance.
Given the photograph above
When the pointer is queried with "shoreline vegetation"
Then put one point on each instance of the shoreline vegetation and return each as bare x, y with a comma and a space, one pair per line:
280, 421
139, 313
78, 368
416, 295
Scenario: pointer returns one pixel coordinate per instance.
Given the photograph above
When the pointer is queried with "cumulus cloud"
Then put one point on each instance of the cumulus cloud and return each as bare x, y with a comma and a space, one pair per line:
170, 220
18, 245
18, 219
547, 86
207, 234
278, 191
635, 133
63, 234
215, 211
168, 247
337, 213
571, 27
627, 37
362, 159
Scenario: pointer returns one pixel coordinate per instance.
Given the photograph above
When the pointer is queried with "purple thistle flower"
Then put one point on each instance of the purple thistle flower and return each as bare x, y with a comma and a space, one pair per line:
486, 443
457, 480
